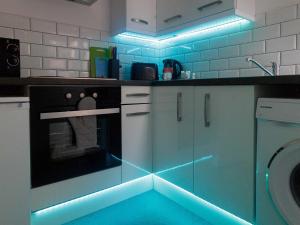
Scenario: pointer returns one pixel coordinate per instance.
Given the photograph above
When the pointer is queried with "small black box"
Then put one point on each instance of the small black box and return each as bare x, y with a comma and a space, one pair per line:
114, 68
9, 57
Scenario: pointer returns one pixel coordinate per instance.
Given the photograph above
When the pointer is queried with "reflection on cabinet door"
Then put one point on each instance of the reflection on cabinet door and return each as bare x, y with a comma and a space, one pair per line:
173, 117
136, 141
224, 148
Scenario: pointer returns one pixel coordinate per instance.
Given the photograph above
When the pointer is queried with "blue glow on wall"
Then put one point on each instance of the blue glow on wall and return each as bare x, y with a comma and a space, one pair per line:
195, 31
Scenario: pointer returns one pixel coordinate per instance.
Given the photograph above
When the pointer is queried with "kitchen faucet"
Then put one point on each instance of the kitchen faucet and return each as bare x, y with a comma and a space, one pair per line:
274, 67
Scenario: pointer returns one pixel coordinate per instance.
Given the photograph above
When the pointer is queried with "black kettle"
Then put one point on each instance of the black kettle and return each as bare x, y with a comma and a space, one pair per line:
176, 67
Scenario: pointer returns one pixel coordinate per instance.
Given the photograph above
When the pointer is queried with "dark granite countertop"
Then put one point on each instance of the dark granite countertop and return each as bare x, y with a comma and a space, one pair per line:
267, 80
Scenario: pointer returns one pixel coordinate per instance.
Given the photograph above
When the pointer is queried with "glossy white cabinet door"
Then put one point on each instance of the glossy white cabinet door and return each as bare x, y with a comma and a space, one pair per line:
225, 147
172, 137
14, 164
136, 141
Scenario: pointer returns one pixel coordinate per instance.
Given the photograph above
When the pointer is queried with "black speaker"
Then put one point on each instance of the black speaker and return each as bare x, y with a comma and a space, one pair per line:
9, 57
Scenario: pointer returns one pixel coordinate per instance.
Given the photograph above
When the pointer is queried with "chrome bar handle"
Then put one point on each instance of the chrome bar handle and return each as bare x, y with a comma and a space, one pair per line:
138, 95
137, 114
179, 106
206, 110
168, 20
140, 21
210, 5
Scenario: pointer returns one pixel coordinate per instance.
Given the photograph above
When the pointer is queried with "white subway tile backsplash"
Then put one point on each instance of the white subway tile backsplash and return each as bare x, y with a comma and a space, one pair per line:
43, 50
85, 66
287, 70
28, 62
201, 66
228, 52
229, 73
43, 26
281, 44
84, 74
260, 20
99, 44
29, 36
210, 54
240, 38
126, 58
268, 32
67, 73
6, 32
84, 55
90, 33
290, 27
78, 43
219, 42
24, 49
43, 73
25, 73
53, 63
267, 59
253, 72
220, 64
201, 45
14, 21
210, 74
253, 48
238, 63
74, 65
281, 15
68, 30
67, 53
290, 57
192, 57
55, 40
148, 52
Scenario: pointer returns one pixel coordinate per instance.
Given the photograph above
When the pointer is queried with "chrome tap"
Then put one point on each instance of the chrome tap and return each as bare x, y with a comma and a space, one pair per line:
274, 67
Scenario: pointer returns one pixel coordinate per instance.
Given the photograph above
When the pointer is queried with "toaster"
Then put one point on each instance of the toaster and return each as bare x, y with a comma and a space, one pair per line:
144, 71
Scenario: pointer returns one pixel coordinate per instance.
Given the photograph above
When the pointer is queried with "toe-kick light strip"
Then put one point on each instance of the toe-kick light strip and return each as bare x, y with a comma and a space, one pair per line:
162, 186
219, 25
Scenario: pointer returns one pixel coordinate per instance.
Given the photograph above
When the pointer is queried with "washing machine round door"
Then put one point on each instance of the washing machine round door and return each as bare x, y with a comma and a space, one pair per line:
283, 181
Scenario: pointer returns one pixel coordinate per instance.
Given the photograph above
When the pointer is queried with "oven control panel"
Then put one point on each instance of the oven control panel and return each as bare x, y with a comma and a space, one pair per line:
9, 57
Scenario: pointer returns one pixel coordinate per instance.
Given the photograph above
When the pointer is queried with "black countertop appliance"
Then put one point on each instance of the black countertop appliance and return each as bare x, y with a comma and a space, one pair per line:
175, 66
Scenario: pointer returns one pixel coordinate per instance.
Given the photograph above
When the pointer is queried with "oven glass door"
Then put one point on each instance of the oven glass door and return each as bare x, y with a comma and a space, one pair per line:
75, 143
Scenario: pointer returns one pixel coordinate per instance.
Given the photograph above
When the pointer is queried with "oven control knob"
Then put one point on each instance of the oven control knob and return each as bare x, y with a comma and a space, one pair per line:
95, 95
68, 96
81, 95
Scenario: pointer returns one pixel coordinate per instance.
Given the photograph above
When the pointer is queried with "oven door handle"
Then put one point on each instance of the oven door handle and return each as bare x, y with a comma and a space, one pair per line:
80, 113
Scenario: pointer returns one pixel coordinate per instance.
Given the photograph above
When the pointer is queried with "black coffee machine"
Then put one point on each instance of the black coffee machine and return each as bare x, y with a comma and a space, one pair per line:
175, 65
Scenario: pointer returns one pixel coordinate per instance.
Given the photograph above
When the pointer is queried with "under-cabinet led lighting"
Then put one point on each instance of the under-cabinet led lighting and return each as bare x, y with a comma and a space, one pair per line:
218, 25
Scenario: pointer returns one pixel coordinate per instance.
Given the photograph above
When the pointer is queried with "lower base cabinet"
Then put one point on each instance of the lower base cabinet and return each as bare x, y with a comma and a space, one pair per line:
14, 162
224, 147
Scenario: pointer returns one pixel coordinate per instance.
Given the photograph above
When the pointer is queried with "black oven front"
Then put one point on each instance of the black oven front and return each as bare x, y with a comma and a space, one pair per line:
75, 130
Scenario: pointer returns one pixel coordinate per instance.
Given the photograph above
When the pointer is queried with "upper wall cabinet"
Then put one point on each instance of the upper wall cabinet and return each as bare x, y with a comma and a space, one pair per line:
174, 15
162, 17
137, 16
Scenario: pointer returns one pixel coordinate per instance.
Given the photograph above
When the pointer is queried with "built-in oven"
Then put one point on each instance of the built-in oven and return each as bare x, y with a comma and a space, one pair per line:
75, 130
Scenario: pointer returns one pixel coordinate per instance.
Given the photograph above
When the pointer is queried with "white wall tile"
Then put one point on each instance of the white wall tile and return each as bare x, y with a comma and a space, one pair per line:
67, 53
105, 36
43, 73
254, 72
281, 15
14, 21
192, 57
85, 66
201, 45
210, 74
267, 59
84, 55
229, 73
29, 36
268, 32
126, 58
28, 62
281, 44
148, 52
43, 26
55, 40
84, 74
42, 50
253, 48
210, 54
220, 64
78, 43
290, 57
230, 51
287, 70
201, 66
90, 33
260, 20
6, 32
297, 69
67, 73
53, 63
219, 42
74, 65
24, 49
25, 73
240, 38
290, 27
68, 30
99, 44
239, 62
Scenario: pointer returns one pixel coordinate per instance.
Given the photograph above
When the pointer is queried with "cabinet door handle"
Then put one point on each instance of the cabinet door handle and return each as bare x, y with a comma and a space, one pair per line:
137, 114
206, 110
140, 21
210, 5
179, 106
137, 95
168, 20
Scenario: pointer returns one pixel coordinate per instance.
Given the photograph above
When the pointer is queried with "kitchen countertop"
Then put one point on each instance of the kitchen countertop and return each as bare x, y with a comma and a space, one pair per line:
267, 80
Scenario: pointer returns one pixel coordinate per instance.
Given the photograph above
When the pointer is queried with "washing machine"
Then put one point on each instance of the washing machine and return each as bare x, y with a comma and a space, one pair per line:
278, 162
